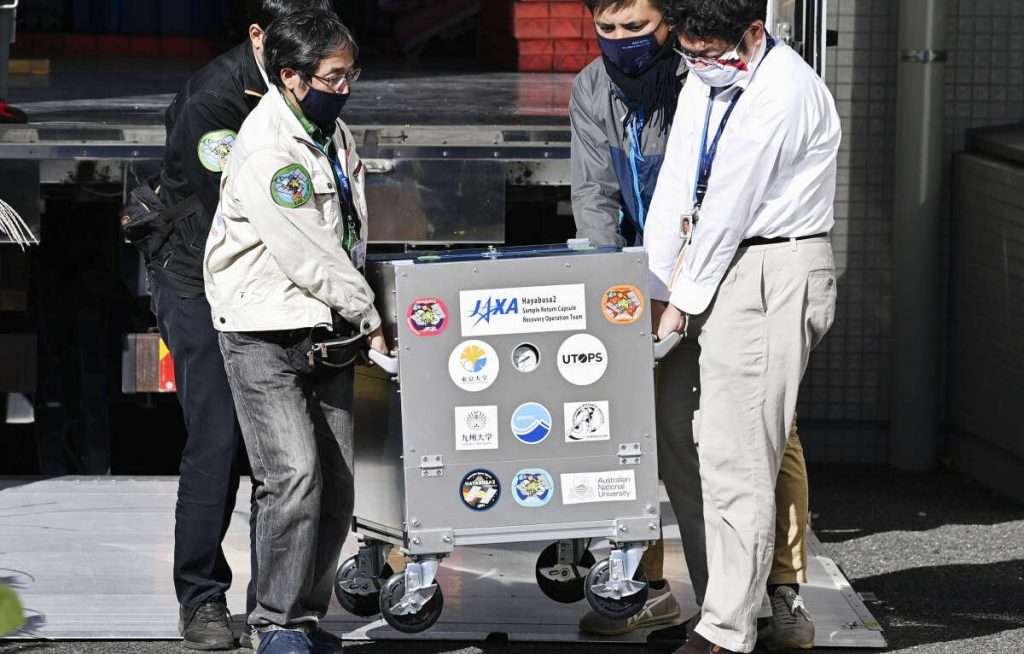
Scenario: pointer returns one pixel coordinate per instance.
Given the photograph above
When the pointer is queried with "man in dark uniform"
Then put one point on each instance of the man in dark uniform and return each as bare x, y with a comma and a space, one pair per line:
201, 126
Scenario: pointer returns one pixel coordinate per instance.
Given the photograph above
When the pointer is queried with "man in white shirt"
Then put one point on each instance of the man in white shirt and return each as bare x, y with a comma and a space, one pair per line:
738, 241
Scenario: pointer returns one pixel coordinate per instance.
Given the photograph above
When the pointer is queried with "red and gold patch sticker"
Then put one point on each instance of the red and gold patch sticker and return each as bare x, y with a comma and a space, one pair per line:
622, 305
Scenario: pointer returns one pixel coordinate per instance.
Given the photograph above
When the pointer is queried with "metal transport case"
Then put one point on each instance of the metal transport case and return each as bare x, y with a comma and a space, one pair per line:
526, 393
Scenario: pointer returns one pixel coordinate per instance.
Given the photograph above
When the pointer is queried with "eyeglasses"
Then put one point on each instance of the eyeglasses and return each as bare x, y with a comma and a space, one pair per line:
705, 60
337, 81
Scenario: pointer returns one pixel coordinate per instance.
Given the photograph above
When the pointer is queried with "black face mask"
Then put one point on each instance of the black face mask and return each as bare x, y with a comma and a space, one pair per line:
322, 108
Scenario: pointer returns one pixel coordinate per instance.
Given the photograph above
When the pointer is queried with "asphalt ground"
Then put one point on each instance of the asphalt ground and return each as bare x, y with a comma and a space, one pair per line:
939, 559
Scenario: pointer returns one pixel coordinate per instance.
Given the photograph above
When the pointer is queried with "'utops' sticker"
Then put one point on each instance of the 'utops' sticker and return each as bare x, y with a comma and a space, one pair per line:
525, 310
473, 366
622, 305
582, 359
531, 423
291, 187
476, 428
214, 148
532, 488
587, 421
480, 490
591, 487
427, 316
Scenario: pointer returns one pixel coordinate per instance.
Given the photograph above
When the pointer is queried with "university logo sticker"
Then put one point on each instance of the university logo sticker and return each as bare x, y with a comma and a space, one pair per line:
473, 366
476, 428
480, 490
532, 488
291, 187
214, 148
427, 316
622, 305
586, 421
531, 423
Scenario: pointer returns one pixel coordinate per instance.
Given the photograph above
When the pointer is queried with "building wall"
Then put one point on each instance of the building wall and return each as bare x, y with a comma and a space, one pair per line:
845, 406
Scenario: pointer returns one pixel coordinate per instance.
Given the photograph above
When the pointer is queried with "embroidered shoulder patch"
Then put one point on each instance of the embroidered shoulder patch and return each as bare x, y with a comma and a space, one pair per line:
214, 148
291, 187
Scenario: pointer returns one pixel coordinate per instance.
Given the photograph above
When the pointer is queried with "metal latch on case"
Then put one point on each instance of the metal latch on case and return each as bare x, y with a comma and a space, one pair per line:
629, 454
432, 465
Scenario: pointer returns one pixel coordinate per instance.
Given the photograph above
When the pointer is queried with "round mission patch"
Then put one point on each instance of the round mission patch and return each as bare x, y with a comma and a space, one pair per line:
214, 148
291, 187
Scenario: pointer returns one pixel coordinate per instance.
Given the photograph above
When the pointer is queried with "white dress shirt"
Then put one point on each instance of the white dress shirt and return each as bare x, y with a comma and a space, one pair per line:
774, 174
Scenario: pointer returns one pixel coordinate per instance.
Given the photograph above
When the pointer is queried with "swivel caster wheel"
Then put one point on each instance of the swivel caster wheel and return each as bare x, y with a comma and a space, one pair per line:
357, 591
562, 582
412, 614
610, 607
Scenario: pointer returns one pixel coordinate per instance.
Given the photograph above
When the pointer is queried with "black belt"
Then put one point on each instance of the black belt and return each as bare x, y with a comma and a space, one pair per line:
760, 240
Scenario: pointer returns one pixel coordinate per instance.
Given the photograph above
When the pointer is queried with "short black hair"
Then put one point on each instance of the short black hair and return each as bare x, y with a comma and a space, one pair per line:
597, 6
265, 12
715, 19
302, 40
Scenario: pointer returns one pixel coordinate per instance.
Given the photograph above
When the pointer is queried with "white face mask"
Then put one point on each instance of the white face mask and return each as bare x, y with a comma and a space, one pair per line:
721, 72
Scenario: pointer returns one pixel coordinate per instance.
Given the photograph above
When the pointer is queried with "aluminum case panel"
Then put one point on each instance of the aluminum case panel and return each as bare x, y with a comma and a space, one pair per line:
429, 398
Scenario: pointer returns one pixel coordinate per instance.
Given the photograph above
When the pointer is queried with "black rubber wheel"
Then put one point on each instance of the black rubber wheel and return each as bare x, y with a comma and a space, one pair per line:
567, 590
392, 593
365, 604
612, 608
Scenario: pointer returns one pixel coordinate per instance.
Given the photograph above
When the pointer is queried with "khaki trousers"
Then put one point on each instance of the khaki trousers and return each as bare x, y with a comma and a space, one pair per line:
774, 305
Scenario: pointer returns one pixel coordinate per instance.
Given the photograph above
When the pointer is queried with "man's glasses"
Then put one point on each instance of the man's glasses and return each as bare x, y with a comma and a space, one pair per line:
703, 59
337, 81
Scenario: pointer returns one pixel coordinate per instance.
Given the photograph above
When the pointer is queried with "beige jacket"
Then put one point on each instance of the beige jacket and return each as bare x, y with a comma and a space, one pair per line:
274, 258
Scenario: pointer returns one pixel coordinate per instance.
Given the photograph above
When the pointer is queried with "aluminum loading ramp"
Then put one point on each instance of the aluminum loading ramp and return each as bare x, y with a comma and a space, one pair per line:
91, 559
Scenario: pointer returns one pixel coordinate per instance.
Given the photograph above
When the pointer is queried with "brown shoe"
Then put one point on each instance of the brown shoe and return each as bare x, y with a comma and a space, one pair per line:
697, 644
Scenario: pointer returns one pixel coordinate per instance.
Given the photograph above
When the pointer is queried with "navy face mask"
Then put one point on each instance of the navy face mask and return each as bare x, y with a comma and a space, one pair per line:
631, 55
322, 108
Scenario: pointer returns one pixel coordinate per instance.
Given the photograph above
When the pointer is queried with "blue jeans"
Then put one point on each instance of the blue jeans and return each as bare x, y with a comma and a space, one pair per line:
297, 425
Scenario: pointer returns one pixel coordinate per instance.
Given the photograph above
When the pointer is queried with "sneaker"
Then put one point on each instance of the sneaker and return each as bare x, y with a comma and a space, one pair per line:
9, 114
207, 626
324, 642
661, 609
284, 641
250, 639
697, 644
791, 626
669, 639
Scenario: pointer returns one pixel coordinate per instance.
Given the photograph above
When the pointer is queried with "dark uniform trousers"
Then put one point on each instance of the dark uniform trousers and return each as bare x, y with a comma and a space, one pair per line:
211, 462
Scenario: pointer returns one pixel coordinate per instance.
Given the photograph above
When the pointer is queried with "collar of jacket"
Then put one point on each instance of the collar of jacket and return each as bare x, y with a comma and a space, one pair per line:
294, 127
253, 79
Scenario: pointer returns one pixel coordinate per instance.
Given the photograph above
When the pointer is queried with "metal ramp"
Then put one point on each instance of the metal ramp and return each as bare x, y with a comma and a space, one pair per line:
91, 559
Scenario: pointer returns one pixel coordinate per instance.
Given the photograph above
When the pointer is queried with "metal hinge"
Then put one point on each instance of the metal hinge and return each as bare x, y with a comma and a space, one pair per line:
629, 454
432, 465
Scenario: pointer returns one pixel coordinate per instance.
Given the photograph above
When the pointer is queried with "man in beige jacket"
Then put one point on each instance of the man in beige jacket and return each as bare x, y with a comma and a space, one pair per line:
283, 270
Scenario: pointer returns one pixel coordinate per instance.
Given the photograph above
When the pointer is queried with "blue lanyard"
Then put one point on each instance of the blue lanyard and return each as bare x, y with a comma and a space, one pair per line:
339, 170
636, 126
707, 155
706, 160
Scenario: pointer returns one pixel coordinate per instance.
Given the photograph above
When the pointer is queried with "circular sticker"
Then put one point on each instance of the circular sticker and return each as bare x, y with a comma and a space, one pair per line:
532, 488
473, 366
622, 305
582, 359
427, 316
480, 490
526, 357
531, 423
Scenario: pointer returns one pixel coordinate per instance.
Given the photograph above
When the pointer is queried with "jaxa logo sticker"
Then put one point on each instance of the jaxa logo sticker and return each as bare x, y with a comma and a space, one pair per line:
473, 366
480, 490
582, 359
531, 423
214, 149
291, 187
622, 305
427, 316
586, 421
476, 428
532, 488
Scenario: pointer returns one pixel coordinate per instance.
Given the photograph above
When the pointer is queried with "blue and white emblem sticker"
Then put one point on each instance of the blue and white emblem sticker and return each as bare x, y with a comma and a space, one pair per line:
533, 488
214, 149
531, 423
